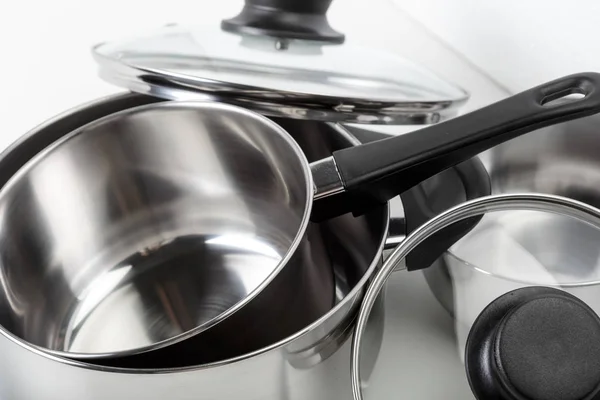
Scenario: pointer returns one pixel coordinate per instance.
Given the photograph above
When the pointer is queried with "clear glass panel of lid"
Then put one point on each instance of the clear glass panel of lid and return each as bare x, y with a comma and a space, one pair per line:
280, 77
522, 250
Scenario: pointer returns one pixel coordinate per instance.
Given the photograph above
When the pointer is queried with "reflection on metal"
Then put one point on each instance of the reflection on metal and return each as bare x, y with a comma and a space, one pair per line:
326, 178
483, 205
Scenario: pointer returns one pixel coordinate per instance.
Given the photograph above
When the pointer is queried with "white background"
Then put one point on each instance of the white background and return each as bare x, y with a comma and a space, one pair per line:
47, 67
491, 48
518, 43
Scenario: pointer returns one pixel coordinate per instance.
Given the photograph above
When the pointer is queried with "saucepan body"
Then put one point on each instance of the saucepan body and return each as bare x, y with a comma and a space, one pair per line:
309, 363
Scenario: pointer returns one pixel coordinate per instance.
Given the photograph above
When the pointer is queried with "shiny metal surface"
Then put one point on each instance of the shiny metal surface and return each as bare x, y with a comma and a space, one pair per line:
560, 160
141, 229
311, 364
489, 204
302, 80
326, 178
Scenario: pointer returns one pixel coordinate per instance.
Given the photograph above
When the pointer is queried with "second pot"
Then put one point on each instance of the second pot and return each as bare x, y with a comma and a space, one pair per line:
558, 160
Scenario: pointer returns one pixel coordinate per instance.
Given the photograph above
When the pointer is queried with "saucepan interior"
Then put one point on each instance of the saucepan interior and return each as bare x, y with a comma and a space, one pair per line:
141, 229
42, 299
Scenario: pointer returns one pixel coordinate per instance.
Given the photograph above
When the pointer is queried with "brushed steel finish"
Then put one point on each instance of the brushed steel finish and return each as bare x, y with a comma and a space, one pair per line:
310, 364
563, 206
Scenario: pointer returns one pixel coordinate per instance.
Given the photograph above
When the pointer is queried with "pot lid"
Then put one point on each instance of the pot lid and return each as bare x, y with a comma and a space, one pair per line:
298, 68
510, 312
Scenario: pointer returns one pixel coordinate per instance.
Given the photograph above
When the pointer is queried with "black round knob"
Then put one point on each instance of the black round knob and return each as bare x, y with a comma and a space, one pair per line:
287, 19
535, 343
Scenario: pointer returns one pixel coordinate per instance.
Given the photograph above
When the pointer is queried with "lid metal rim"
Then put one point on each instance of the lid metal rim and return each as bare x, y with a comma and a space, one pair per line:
277, 103
492, 203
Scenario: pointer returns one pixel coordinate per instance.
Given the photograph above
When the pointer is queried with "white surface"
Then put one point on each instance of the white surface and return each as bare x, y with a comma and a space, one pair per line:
46, 64
419, 357
519, 43
47, 68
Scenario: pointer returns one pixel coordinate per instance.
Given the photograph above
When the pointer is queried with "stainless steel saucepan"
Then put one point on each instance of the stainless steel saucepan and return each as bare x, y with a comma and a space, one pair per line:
311, 363
130, 238
188, 220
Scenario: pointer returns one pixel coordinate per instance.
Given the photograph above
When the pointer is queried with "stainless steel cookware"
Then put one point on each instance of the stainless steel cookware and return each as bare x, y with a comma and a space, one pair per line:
161, 225
196, 215
140, 215
535, 334
310, 363
133, 235
561, 160
269, 59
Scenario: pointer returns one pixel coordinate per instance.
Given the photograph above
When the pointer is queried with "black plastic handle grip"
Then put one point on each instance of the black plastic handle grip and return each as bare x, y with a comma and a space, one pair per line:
465, 181
375, 172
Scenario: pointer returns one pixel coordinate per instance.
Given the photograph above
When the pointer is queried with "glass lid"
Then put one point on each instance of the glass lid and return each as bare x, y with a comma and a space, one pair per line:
280, 65
510, 312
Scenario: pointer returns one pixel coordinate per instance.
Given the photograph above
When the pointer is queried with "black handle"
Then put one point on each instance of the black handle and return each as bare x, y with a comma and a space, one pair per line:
375, 172
288, 19
466, 181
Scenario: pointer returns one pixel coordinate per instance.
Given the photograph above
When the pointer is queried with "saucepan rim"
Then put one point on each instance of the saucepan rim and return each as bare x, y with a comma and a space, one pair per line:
451, 254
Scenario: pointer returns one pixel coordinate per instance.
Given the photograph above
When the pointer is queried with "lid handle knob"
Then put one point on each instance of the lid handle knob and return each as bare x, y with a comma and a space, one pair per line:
535, 343
287, 19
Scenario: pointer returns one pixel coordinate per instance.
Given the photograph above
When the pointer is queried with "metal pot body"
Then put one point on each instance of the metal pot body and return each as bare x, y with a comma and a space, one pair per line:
144, 233
525, 327
320, 372
558, 160
310, 363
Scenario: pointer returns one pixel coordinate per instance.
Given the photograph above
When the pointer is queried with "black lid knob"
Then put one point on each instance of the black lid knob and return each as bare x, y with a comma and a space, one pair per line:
289, 19
535, 343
